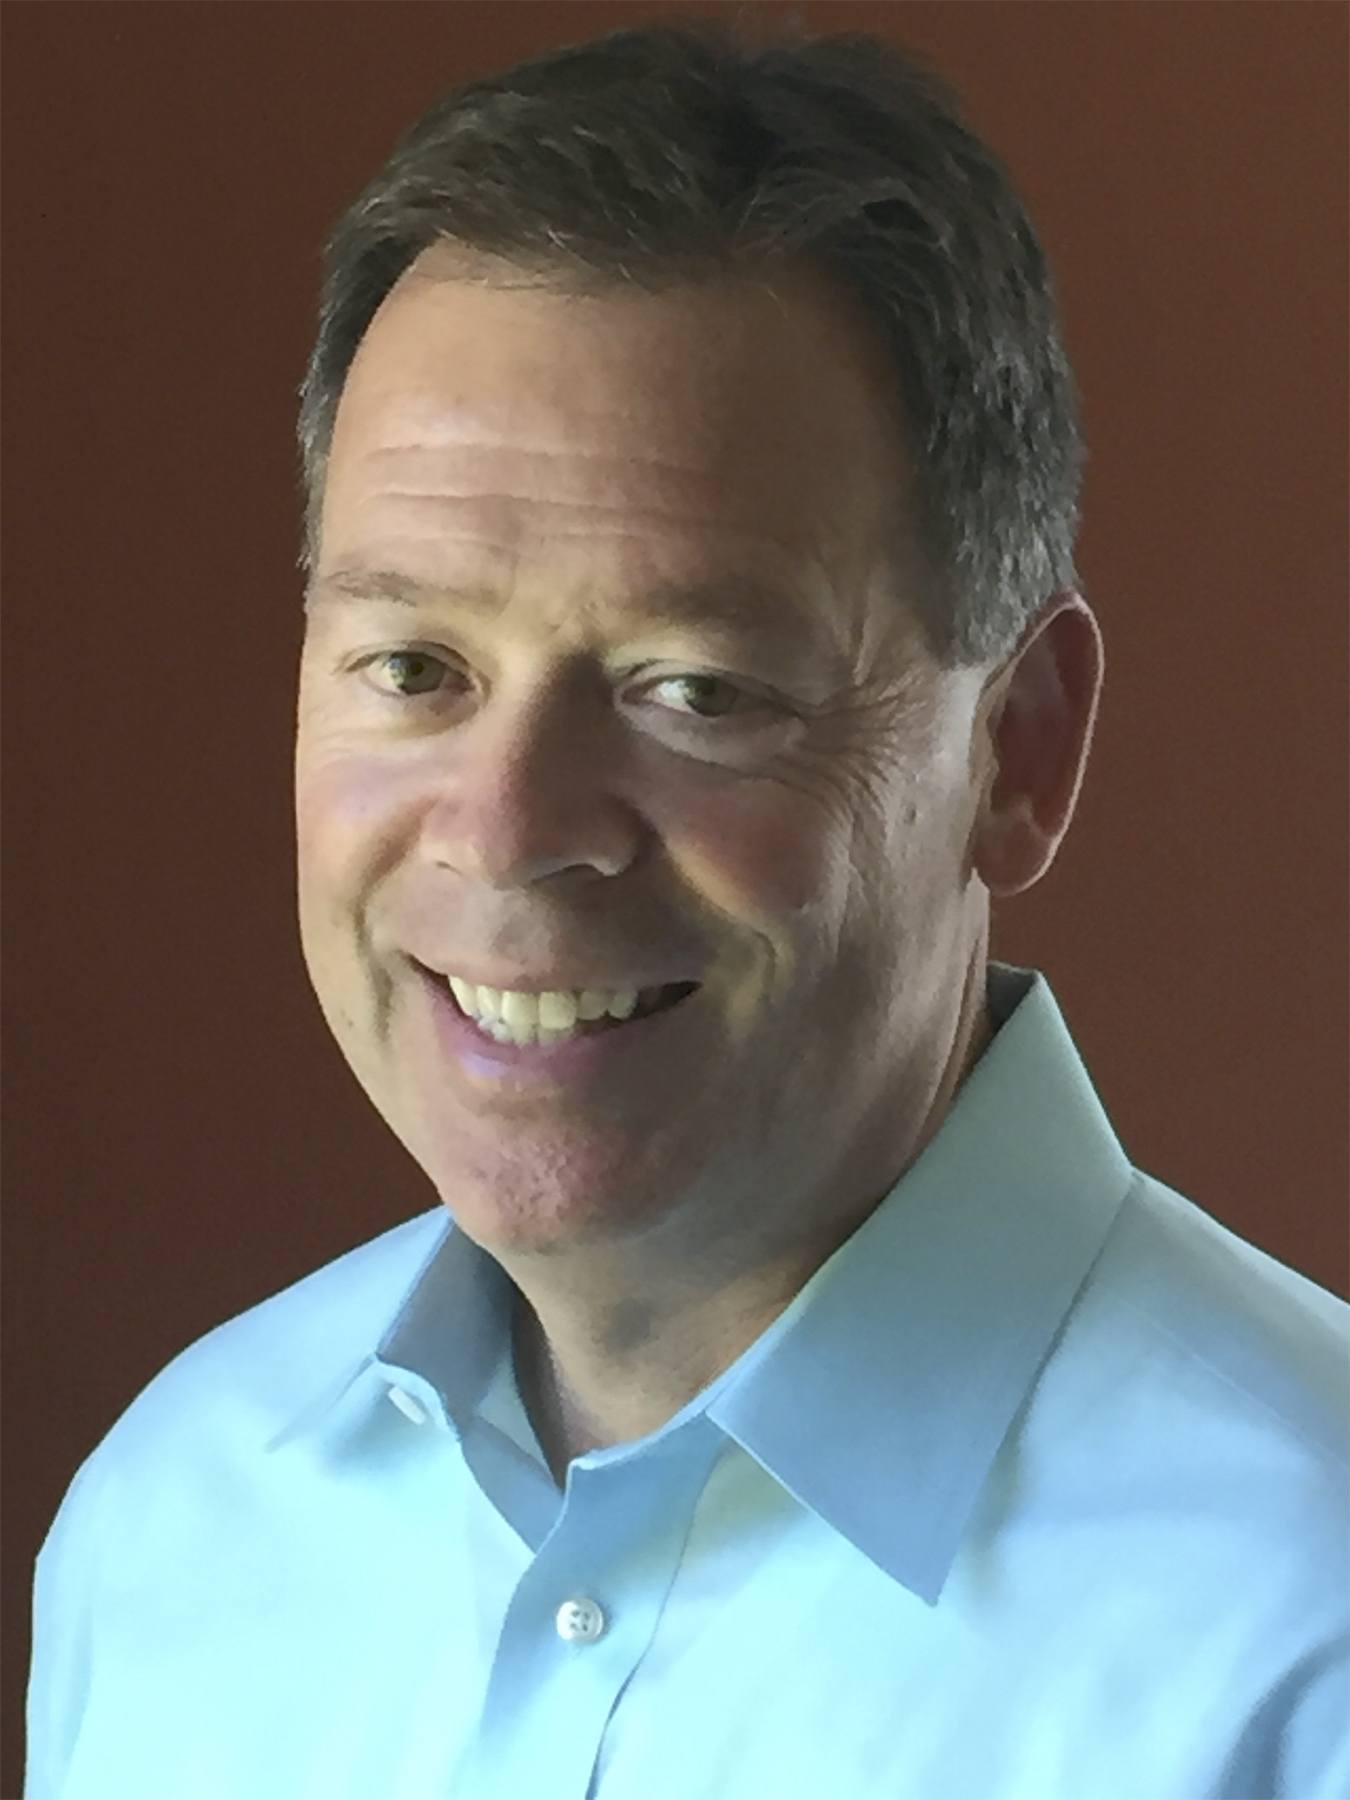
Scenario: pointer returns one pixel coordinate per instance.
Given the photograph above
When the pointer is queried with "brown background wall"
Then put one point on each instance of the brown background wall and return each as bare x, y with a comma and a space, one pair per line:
183, 1138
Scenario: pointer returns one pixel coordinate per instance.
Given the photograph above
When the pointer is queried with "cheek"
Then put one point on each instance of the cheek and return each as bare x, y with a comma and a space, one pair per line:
343, 806
763, 855
340, 798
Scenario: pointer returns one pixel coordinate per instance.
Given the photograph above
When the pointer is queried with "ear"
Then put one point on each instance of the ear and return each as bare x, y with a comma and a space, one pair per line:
1038, 711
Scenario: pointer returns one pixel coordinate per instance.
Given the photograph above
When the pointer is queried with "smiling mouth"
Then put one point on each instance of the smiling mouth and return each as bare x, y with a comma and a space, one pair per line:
527, 1031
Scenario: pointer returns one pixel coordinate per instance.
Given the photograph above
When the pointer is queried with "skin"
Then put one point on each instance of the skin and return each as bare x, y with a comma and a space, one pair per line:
814, 836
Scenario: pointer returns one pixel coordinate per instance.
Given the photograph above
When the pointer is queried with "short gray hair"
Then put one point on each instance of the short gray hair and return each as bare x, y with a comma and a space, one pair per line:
677, 151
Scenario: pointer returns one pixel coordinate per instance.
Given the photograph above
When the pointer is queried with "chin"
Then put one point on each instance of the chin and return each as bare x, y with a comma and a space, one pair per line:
561, 1195
533, 1222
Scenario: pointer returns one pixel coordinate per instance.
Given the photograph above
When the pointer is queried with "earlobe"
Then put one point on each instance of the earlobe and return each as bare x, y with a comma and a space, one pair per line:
1011, 851
1040, 727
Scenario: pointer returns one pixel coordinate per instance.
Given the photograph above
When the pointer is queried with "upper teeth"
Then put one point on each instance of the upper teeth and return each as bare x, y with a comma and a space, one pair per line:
553, 1010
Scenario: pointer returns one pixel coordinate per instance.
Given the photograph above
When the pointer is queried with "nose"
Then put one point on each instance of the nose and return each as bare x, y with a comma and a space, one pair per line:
527, 789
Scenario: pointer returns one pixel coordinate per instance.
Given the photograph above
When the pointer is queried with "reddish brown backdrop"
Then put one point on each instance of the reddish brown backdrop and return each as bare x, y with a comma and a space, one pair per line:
183, 1138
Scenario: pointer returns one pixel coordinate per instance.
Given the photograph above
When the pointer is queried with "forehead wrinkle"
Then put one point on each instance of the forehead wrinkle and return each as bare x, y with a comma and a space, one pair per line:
622, 510
694, 525
698, 501
646, 486
513, 533
431, 443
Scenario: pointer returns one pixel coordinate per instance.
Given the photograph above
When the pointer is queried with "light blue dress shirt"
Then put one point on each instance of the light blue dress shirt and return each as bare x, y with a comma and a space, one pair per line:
1036, 1491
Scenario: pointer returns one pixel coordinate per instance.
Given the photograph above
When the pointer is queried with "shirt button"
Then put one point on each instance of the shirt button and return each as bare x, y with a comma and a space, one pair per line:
580, 1621
408, 1406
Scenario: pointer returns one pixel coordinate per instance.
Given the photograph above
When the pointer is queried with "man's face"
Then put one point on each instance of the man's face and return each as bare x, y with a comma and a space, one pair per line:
612, 678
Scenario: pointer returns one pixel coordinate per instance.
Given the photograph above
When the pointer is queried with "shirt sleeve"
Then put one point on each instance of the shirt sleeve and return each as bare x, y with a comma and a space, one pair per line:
58, 1680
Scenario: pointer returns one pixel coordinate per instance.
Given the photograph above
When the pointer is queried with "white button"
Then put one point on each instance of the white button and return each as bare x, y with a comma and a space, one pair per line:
580, 1621
410, 1408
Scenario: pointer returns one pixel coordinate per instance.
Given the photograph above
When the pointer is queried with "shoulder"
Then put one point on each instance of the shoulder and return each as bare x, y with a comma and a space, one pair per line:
1199, 1395
1226, 1326
171, 1471
245, 1381
1188, 1440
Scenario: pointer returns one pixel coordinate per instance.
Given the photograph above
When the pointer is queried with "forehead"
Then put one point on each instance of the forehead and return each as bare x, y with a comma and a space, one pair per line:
739, 423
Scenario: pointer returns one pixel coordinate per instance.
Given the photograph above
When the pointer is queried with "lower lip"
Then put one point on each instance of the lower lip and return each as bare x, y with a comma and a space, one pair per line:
571, 1060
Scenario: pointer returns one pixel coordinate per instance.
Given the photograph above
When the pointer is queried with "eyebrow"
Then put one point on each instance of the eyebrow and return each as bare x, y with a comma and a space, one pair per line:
736, 607
355, 586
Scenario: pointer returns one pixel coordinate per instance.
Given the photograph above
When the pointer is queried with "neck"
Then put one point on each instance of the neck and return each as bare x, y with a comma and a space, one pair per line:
609, 1374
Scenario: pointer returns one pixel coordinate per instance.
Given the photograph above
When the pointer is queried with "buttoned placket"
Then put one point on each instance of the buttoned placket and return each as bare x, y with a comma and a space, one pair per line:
583, 1615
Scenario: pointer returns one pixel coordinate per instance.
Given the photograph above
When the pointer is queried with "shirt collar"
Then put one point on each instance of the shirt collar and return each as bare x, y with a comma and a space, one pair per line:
881, 1395
886, 1399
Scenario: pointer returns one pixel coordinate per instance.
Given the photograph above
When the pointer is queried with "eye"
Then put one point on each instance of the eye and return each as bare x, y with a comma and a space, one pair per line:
419, 664
712, 698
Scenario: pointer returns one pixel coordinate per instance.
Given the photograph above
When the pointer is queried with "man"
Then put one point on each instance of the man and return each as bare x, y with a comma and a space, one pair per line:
795, 1391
